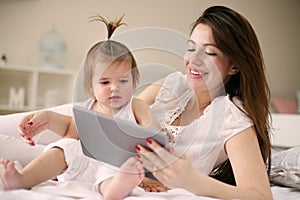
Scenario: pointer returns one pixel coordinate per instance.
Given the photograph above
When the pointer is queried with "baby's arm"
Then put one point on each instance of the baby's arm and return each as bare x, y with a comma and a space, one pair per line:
142, 114
149, 94
36, 122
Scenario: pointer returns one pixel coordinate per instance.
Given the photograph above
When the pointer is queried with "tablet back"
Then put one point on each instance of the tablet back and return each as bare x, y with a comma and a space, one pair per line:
111, 140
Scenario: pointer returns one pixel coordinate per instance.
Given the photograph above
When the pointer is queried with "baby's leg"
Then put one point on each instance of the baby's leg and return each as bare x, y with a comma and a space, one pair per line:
129, 176
49, 164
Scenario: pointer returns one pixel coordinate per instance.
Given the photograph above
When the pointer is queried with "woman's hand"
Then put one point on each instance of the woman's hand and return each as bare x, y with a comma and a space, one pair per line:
170, 169
150, 185
32, 124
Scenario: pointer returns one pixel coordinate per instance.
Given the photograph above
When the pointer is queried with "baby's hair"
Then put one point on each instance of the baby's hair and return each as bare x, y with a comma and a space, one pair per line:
111, 26
107, 52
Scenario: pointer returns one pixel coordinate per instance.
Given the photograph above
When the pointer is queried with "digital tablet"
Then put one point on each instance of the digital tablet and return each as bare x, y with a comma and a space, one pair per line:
111, 140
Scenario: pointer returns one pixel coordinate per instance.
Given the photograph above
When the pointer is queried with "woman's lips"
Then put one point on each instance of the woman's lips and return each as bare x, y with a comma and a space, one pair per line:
197, 74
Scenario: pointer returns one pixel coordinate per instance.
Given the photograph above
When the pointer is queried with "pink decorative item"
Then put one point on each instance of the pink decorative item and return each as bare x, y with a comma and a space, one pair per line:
285, 106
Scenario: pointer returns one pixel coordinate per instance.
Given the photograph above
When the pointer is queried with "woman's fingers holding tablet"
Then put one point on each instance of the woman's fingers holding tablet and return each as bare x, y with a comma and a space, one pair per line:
156, 157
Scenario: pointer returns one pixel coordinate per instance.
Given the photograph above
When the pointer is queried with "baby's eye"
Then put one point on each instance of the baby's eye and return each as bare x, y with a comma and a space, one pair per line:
123, 81
103, 82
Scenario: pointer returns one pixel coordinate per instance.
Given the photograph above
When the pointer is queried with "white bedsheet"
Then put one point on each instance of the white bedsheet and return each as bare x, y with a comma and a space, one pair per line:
71, 190
52, 190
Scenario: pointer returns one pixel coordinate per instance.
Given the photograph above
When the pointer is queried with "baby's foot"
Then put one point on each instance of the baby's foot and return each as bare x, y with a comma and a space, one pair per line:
129, 176
10, 177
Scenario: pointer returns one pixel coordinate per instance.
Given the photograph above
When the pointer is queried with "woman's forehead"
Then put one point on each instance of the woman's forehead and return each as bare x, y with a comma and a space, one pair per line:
202, 34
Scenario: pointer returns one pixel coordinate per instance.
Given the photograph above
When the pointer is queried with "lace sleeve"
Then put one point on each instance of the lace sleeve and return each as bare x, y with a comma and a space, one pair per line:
171, 99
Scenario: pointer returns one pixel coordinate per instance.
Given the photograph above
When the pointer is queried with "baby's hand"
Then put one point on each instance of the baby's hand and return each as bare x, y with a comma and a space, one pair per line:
150, 185
33, 124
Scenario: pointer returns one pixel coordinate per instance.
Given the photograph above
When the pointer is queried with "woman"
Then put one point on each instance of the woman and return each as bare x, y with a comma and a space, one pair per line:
225, 102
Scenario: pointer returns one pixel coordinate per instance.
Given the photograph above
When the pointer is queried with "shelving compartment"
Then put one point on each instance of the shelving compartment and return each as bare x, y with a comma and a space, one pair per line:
54, 88
16, 90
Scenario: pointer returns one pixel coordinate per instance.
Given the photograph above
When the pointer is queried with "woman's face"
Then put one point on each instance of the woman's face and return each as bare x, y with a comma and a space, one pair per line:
207, 68
113, 87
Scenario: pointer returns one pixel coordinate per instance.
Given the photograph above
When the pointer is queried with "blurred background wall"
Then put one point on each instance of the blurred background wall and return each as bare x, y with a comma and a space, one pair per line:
276, 22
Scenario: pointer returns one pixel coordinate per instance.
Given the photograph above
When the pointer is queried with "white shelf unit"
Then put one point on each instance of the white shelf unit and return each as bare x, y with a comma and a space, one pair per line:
43, 87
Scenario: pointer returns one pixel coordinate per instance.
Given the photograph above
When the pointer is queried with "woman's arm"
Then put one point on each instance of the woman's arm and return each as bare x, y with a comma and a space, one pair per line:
149, 94
244, 154
248, 166
249, 171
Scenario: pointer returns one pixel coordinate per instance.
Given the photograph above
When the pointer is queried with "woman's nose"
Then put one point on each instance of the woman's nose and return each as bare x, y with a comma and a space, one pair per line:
196, 57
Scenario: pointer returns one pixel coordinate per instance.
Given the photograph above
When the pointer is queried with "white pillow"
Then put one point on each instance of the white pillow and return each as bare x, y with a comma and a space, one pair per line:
9, 123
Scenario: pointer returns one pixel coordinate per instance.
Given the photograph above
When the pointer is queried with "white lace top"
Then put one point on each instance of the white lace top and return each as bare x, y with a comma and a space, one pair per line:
202, 140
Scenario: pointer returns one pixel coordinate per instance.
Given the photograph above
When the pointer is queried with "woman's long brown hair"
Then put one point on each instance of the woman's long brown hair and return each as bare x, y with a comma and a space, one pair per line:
236, 38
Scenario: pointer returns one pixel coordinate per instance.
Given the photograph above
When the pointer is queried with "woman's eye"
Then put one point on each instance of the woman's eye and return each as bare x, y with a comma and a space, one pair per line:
103, 82
190, 49
210, 54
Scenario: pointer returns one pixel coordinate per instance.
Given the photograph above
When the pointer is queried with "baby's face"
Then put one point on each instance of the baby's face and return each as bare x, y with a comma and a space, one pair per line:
113, 87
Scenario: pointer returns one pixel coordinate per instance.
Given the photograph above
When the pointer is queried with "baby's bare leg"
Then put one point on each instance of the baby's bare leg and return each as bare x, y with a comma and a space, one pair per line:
46, 166
129, 176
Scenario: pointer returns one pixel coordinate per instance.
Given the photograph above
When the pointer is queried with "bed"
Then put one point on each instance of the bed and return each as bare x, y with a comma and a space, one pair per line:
286, 136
